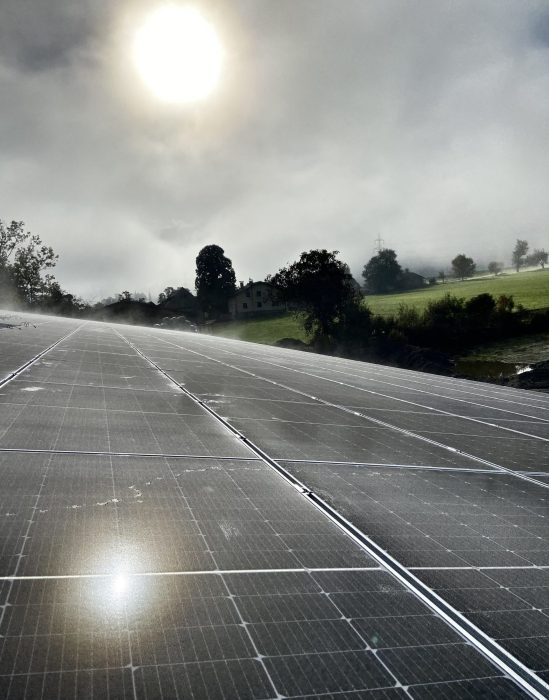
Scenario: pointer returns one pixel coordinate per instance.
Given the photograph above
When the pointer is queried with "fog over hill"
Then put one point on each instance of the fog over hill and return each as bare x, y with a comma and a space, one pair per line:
424, 123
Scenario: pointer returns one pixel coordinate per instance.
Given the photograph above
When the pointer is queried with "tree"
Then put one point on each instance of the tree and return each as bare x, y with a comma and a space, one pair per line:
442, 276
495, 268
320, 286
23, 262
538, 257
463, 266
58, 301
382, 272
519, 252
480, 307
165, 295
215, 280
180, 300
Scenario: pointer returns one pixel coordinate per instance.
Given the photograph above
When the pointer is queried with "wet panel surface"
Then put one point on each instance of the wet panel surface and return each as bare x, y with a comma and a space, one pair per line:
430, 518
213, 577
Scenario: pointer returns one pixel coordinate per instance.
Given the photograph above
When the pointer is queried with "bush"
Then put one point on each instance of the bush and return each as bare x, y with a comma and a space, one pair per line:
446, 326
353, 330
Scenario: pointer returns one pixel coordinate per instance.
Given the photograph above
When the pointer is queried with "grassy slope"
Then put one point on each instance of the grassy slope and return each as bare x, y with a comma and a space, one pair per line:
261, 330
531, 289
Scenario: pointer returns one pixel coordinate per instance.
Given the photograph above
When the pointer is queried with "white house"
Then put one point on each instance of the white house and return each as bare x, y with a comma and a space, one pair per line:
254, 299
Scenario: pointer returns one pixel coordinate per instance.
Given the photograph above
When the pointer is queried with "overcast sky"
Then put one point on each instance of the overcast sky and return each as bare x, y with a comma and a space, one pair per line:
423, 121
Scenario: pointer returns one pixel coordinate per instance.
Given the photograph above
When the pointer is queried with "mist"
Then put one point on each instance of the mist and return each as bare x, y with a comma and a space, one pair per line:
425, 124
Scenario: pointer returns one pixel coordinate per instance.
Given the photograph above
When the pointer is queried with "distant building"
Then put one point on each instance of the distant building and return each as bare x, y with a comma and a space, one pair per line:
254, 299
411, 280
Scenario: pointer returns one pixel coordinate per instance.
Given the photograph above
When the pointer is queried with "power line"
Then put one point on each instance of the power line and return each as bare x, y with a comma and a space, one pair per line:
379, 245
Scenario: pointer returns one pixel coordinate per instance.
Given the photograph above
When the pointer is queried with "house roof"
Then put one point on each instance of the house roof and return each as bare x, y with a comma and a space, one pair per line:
251, 285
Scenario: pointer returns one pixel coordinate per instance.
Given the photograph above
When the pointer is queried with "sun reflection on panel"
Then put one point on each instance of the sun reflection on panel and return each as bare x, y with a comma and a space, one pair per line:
120, 585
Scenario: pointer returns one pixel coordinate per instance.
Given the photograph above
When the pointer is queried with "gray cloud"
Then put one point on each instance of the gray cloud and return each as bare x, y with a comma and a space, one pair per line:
423, 122
36, 36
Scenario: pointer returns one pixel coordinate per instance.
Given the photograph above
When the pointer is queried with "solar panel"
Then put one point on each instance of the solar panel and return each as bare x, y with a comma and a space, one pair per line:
150, 547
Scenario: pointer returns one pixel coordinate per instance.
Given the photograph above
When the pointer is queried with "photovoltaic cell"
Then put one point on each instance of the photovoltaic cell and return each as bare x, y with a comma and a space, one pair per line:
207, 575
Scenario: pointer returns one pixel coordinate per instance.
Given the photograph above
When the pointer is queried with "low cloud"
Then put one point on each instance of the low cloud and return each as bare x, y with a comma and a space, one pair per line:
424, 123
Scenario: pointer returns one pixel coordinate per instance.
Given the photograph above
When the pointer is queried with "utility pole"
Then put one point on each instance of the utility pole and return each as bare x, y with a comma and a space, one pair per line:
379, 245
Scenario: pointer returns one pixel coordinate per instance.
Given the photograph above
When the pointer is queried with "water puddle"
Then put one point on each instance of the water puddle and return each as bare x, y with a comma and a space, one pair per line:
490, 369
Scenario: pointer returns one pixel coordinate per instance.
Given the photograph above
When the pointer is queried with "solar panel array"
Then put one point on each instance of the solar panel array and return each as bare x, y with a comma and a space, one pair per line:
170, 523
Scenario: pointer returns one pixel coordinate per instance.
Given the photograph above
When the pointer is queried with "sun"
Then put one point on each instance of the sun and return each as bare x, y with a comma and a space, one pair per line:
178, 54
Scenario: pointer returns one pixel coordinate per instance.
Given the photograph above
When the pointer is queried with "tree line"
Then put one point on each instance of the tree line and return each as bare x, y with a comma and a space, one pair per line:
26, 277
463, 266
319, 287
337, 319
25, 272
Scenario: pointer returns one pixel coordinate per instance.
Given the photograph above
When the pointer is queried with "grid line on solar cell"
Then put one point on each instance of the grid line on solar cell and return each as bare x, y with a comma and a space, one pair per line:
164, 455
236, 606
453, 389
229, 493
30, 362
247, 633
393, 398
447, 398
391, 506
419, 467
212, 412
344, 409
235, 678
186, 572
490, 390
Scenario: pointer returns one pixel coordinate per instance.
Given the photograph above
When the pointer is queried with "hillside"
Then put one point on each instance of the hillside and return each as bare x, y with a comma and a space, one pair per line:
531, 289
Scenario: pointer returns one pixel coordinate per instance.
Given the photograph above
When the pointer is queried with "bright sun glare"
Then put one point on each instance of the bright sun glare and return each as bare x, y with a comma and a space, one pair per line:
178, 54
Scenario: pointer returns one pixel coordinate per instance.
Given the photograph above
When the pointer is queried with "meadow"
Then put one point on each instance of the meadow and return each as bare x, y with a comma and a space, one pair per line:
261, 330
531, 289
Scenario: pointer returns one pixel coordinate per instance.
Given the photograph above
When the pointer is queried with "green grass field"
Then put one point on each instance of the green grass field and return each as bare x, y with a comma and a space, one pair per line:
531, 289
261, 330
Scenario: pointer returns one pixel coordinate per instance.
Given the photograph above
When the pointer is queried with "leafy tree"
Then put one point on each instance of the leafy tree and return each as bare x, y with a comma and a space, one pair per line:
180, 300
165, 295
407, 318
495, 268
125, 296
354, 328
320, 286
519, 252
382, 272
215, 280
538, 257
23, 262
463, 266
442, 276
442, 320
58, 301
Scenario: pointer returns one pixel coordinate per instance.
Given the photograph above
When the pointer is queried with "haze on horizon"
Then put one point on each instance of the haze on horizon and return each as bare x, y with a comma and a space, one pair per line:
424, 123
